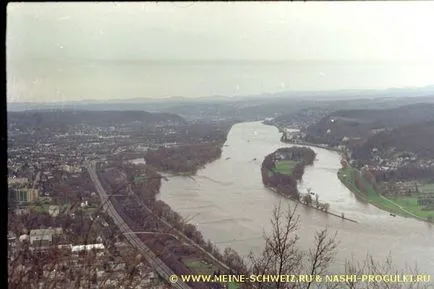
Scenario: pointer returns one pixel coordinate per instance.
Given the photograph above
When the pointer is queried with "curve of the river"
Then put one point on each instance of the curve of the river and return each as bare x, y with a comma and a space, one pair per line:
231, 206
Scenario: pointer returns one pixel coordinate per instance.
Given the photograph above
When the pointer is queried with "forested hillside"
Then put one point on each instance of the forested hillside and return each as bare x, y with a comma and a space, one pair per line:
65, 118
365, 123
417, 138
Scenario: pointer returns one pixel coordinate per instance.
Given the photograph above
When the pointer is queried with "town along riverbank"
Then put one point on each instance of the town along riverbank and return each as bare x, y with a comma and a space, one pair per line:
364, 185
283, 169
293, 136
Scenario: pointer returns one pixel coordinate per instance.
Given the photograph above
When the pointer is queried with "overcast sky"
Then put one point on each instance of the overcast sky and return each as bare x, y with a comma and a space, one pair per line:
267, 30
49, 47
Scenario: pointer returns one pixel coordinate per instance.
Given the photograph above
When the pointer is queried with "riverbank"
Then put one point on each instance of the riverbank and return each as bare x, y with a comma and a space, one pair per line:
190, 249
373, 197
304, 143
346, 176
232, 207
283, 169
298, 141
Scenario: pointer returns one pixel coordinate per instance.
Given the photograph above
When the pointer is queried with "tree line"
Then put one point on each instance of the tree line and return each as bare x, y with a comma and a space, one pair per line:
181, 159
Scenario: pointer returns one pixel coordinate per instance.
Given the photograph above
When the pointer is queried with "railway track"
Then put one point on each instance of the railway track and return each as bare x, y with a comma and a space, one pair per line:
162, 269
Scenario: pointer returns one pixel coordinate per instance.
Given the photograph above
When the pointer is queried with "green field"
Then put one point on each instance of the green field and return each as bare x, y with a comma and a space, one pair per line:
408, 204
284, 167
233, 285
139, 179
200, 266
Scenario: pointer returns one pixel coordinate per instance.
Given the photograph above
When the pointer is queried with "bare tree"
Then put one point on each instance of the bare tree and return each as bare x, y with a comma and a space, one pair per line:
371, 266
322, 254
281, 255
233, 260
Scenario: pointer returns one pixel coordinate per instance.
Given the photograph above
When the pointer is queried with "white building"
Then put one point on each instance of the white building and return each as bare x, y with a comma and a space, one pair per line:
80, 248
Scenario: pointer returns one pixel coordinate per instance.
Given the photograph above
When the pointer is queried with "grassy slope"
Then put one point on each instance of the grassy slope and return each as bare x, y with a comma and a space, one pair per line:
408, 203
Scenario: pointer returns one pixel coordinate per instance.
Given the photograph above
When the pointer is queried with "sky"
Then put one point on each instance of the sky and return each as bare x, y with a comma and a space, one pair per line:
266, 31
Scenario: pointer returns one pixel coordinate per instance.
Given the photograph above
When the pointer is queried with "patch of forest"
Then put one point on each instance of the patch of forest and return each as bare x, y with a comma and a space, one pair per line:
203, 145
186, 159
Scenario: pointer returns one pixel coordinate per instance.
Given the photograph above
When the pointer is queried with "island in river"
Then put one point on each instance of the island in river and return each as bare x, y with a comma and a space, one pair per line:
388, 154
232, 207
283, 168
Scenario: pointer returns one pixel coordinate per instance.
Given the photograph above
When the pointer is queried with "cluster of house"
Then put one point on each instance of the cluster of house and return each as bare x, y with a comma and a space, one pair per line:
395, 162
106, 267
44, 239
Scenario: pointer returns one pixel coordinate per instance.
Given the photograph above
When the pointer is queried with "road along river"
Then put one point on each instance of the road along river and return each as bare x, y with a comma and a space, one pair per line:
231, 206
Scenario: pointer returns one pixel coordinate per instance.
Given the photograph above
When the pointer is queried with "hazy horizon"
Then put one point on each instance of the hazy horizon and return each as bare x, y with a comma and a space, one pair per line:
106, 51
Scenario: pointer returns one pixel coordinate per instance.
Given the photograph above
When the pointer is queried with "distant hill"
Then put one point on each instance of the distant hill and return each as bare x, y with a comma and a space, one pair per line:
416, 138
60, 118
364, 123
304, 115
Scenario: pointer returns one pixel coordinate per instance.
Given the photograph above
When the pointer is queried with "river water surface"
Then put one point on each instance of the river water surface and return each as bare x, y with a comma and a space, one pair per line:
231, 206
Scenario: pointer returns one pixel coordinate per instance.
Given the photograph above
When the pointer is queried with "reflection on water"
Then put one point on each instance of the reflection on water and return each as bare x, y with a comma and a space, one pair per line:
230, 205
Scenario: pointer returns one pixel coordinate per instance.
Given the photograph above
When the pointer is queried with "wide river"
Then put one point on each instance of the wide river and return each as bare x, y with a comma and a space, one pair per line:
231, 206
